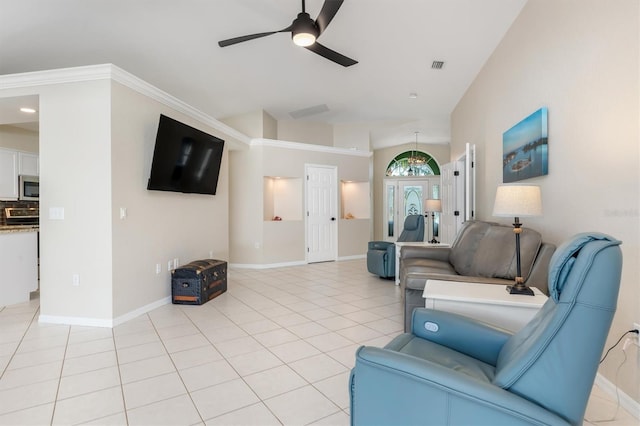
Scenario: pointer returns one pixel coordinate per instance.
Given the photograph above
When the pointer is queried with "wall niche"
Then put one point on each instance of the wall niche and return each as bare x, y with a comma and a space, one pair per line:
282, 198
355, 200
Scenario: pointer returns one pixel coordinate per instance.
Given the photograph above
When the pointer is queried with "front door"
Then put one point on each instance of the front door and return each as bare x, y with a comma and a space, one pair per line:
404, 197
322, 212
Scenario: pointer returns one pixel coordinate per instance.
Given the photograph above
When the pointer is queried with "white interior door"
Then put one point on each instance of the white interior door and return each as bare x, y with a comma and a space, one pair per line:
470, 182
458, 193
448, 226
322, 213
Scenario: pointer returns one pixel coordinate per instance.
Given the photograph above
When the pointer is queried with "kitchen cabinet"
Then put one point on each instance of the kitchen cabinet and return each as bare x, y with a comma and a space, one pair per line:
19, 266
28, 164
12, 164
8, 174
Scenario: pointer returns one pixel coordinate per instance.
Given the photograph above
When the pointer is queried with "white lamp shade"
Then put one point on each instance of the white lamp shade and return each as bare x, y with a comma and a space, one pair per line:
432, 205
518, 201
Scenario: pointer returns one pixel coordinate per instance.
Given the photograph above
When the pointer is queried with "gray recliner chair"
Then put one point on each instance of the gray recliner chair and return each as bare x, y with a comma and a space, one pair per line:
381, 254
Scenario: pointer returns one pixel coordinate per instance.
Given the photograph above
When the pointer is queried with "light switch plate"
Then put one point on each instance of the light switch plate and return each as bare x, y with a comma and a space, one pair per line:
56, 213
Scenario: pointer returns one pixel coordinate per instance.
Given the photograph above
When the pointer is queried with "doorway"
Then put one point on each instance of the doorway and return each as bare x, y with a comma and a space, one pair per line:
322, 213
404, 197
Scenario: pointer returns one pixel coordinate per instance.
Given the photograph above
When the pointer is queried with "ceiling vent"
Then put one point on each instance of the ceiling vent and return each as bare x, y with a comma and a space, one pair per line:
437, 65
305, 112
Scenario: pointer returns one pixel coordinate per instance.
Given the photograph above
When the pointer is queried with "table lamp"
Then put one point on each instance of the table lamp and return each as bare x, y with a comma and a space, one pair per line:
433, 206
518, 201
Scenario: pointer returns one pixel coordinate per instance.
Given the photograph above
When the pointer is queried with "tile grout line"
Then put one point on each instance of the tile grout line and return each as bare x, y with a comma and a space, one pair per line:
35, 315
231, 365
155, 329
124, 401
309, 383
64, 356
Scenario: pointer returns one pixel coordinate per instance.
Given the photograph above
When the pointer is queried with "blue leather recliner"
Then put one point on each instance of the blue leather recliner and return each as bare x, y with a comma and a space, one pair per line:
381, 259
453, 370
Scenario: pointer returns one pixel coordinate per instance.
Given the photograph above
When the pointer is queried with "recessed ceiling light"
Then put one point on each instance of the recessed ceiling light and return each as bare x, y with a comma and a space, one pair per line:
413, 95
28, 110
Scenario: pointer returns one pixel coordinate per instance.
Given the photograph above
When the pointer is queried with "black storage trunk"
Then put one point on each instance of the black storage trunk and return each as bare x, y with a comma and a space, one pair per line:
198, 282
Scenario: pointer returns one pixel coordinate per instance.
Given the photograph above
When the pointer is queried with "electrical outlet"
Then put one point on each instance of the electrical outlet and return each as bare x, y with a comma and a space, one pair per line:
170, 265
158, 268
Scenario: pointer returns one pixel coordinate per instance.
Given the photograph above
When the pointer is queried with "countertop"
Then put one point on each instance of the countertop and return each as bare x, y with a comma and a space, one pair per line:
10, 229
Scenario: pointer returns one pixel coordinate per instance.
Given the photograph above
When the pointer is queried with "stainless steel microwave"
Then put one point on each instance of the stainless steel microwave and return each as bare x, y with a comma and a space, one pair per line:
29, 187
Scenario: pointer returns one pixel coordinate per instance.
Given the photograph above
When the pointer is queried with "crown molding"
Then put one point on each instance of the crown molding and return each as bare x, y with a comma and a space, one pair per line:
309, 147
112, 72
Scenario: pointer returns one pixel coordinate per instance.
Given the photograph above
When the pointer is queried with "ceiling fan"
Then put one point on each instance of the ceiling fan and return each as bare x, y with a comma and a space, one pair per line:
304, 32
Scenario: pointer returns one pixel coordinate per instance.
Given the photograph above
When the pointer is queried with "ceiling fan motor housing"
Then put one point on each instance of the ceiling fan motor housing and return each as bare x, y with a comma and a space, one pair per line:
304, 30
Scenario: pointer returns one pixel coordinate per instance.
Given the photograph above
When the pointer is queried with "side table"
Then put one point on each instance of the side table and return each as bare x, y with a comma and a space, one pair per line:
489, 303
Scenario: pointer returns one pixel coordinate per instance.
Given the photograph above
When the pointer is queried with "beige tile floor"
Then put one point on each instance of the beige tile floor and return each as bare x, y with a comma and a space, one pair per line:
275, 349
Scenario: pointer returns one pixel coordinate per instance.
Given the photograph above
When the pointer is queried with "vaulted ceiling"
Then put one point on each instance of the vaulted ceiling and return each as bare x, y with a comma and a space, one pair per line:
173, 45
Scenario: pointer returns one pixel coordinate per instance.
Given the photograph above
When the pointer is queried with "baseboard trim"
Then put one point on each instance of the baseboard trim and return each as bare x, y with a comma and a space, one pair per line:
626, 402
89, 322
354, 257
285, 264
99, 322
141, 311
266, 265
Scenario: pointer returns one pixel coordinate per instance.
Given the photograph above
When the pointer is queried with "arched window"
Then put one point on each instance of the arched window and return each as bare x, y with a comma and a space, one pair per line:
413, 163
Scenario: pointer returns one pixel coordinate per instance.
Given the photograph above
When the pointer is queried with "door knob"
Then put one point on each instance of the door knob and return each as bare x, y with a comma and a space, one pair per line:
333, 218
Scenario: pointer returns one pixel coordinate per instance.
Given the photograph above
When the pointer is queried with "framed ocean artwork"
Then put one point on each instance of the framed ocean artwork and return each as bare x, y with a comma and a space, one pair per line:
525, 148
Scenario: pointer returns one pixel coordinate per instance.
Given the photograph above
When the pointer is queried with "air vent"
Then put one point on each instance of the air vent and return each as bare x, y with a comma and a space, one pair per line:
305, 112
437, 65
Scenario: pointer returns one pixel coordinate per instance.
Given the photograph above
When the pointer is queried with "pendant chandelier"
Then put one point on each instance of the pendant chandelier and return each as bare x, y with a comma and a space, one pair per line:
415, 159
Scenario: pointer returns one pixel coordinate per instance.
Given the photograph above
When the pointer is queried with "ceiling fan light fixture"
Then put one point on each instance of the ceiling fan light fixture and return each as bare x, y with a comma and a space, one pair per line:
304, 39
304, 31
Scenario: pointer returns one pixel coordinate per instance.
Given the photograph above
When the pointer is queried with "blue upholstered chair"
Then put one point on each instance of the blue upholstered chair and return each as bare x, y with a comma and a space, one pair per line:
452, 370
381, 259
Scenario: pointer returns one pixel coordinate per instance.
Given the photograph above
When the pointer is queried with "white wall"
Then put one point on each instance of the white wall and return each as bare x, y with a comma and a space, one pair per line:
259, 124
75, 174
159, 225
246, 182
305, 132
255, 124
255, 241
13, 137
352, 136
579, 58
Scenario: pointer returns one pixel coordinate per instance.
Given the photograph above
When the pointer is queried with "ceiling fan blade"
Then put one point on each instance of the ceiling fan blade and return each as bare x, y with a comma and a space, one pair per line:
328, 11
236, 40
331, 55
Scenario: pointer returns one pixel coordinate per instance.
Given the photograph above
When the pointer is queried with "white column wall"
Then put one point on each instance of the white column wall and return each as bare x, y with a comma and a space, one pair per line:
75, 175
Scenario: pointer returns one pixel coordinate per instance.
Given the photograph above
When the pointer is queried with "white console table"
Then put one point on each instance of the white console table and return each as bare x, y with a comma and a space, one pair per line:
489, 303
399, 245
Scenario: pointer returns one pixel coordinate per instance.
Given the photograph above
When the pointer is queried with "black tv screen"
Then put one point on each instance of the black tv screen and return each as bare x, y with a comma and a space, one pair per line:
185, 159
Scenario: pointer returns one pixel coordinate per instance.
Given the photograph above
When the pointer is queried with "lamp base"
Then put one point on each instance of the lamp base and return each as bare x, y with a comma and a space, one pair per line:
519, 289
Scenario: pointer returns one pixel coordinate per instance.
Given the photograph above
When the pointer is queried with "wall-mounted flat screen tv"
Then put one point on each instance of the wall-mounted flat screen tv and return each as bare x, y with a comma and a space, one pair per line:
185, 159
